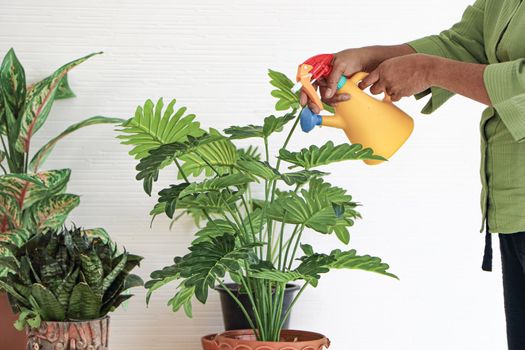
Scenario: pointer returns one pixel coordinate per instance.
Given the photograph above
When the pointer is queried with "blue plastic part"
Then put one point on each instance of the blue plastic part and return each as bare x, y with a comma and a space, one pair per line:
309, 120
341, 82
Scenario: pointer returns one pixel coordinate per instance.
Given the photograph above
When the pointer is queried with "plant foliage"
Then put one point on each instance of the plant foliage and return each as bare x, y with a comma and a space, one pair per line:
255, 215
67, 275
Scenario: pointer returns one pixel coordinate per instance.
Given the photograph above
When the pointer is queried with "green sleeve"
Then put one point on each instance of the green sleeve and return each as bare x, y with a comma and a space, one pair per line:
505, 83
463, 42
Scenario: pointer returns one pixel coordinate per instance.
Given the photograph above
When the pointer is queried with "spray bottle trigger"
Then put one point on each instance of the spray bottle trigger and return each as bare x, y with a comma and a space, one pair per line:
309, 120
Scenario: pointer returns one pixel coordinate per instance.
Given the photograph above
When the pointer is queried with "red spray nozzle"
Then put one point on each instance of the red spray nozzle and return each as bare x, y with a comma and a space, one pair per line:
309, 71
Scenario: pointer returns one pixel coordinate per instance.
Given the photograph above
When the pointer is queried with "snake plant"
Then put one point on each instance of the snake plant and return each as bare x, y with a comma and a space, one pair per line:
256, 241
31, 199
67, 275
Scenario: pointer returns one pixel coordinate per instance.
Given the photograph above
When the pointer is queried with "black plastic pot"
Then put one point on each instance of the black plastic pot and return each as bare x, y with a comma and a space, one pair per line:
232, 314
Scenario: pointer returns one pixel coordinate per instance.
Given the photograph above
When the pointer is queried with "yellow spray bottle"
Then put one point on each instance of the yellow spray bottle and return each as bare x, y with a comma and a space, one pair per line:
373, 123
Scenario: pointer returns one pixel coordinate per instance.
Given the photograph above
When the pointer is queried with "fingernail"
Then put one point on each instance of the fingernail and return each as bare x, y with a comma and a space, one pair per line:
345, 97
329, 92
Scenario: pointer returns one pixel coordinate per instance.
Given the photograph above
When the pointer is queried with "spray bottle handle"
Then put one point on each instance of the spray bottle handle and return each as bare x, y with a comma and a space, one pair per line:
359, 76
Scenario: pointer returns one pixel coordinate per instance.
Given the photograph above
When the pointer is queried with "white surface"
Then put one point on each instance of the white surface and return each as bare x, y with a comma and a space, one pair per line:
421, 209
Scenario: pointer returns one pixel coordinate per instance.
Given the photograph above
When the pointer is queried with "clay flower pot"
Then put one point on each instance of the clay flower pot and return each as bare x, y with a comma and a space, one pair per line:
290, 340
81, 335
10, 338
208, 342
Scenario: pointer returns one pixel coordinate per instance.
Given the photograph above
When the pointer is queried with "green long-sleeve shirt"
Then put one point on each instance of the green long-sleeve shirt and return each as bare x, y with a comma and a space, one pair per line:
492, 32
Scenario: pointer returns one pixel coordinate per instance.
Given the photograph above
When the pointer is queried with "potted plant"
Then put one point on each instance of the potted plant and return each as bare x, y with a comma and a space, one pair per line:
30, 199
257, 242
64, 284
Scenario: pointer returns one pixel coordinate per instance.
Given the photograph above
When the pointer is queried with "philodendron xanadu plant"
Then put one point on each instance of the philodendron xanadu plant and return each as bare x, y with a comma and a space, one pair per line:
32, 200
258, 242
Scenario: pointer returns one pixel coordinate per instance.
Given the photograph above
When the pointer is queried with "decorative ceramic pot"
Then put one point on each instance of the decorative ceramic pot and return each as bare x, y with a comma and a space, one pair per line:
290, 340
232, 314
208, 342
10, 338
81, 335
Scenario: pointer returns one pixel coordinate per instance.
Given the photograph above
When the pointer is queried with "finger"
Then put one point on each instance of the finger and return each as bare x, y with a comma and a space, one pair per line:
313, 107
377, 88
338, 98
303, 99
370, 80
337, 71
395, 98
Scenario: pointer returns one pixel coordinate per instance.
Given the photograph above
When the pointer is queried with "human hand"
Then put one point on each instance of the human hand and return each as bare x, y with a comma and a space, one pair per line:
401, 76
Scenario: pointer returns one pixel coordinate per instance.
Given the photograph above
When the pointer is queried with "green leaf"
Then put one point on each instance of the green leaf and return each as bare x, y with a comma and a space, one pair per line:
213, 229
301, 177
286, 99
49, 307
257, 168
321, 207
314, 156
307, 249
108, 280
64, 90
209, 261
152, 127
98, 232
38, 102
158, 158
132, 281
350, 260
182, 298
211, 201
278, 276
216, 184
51, 212
170, 196
271, 124
40, 157
84, 303
210, 157
12, 82
66, 287
93, 271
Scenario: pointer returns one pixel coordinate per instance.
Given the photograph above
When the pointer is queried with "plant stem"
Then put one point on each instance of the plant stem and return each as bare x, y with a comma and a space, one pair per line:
241, 306
287, 314
254, 305
5, 171
289, 245
295, 247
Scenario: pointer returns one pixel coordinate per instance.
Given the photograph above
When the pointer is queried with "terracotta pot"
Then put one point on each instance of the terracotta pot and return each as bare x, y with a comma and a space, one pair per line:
290, 340
208, 342
10, 338
81, 335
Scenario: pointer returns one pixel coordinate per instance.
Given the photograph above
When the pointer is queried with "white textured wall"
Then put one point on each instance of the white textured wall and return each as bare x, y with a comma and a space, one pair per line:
421, 209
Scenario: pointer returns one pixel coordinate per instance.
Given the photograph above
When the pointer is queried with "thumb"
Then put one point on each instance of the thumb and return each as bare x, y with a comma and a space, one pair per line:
371, 79
331, 83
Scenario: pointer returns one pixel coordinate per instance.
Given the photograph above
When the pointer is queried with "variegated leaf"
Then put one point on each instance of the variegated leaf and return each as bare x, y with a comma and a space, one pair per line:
40, 157
51, 212
38, 103
9, 213
64, 90
13, 82
30, 188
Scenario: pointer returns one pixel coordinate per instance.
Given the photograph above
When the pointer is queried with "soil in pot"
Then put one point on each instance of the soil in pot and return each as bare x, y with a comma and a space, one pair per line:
10, 338
70, 335
231, 312
290, 340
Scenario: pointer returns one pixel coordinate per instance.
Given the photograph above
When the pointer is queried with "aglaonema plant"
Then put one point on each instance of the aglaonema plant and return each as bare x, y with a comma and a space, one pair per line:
256, 242
32, 200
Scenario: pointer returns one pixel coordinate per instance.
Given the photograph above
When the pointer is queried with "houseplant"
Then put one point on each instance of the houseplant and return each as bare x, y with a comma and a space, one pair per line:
256, 241
64, 284
30, 199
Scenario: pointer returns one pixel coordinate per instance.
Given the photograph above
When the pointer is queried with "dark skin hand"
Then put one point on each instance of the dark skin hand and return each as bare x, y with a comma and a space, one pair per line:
400, 72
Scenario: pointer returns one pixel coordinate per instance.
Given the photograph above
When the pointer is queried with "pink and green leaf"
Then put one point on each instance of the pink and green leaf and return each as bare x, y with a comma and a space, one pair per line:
38, 102
40, 157
52, 212
13, 82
